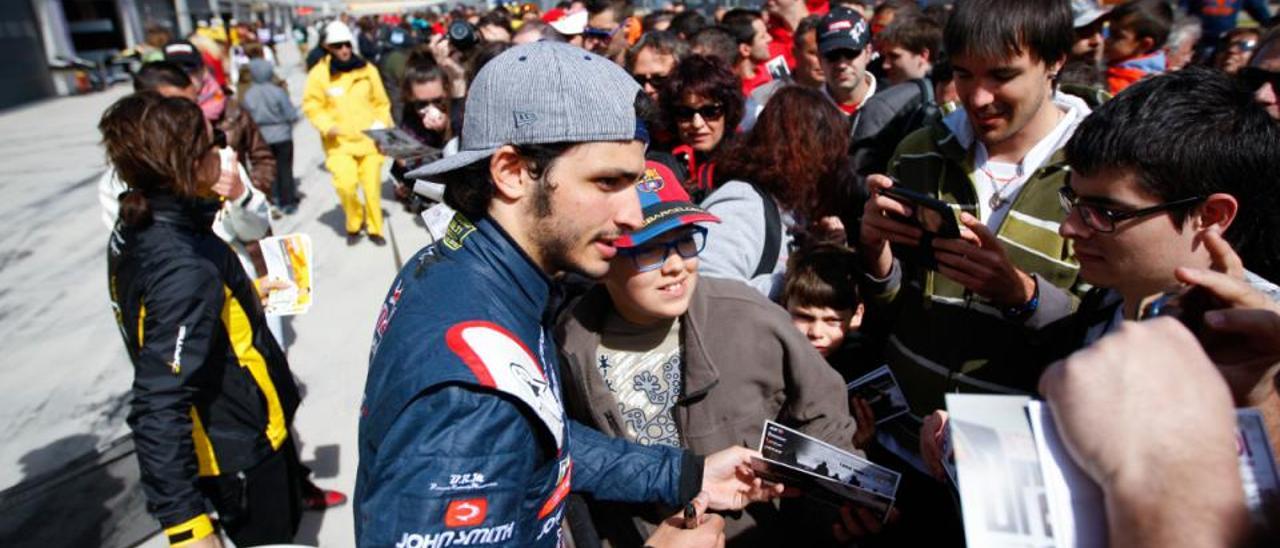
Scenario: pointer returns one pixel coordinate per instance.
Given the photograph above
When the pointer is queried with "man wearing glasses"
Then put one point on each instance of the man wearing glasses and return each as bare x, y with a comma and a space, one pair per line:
604, 35
343, 97
660, 356
1153, 172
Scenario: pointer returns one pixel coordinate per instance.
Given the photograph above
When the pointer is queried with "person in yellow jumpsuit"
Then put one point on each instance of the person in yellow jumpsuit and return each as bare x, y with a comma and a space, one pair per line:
343, 97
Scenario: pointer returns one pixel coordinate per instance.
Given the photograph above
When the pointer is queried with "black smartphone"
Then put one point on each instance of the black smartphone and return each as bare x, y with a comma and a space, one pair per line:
932, 215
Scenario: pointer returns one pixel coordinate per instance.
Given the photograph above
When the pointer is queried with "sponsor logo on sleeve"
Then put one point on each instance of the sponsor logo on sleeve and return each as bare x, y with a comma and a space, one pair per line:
464, 482
466, 513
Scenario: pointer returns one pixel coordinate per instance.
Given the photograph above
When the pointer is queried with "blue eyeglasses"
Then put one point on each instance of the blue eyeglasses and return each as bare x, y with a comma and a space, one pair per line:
652, 256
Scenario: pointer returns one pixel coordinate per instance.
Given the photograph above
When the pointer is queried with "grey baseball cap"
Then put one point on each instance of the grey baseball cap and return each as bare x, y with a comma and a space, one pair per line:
543, 92
1085, 12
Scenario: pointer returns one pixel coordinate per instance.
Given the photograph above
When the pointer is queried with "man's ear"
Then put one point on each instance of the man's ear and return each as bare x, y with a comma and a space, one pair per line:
508, 171
1146, 44
744, 51
927, 55
1219, 209
1055, 68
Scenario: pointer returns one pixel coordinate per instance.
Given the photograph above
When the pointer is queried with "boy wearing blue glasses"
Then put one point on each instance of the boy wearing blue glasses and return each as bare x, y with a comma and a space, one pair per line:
659, 356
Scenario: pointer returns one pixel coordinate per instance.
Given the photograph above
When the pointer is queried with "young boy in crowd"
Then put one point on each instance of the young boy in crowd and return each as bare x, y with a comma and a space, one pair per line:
820, 292
1134, 48
660, 356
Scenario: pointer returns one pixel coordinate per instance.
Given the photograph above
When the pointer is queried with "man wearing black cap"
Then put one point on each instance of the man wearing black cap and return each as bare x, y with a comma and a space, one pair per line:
227, 115
844, 41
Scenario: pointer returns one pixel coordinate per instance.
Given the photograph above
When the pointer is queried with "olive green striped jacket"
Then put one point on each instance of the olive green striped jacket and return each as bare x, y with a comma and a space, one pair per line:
943, 338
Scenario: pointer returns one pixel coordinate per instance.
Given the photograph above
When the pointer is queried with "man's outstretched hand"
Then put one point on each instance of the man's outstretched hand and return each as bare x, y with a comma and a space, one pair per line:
729, 482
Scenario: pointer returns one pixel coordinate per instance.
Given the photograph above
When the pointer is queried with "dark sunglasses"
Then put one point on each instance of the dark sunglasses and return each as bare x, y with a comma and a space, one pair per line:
1254, 78
1243, 46
421, 105
707, 112
340, 45
835, 56
597, 32
655, 80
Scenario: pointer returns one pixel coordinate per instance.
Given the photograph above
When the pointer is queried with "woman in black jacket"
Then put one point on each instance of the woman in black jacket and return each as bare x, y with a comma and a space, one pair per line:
212, 394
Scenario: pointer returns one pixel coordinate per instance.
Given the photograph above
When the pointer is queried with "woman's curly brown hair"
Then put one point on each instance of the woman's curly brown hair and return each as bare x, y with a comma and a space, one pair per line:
800, 141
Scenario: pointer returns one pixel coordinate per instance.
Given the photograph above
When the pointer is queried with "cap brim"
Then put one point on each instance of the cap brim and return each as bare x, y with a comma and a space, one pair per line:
847, 45
445, 165
654, 230
1088, 18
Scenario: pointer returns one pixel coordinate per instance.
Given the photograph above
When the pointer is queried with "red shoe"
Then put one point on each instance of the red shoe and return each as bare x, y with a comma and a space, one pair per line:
318, 500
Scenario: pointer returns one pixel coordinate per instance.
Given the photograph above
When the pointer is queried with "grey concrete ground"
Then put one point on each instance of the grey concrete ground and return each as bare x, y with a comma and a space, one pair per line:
65, 372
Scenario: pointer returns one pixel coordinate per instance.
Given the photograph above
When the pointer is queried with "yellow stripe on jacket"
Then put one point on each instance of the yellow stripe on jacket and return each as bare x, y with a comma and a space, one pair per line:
240, 331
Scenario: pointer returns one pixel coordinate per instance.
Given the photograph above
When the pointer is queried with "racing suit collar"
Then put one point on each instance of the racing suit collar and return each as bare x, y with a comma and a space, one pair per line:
518, 274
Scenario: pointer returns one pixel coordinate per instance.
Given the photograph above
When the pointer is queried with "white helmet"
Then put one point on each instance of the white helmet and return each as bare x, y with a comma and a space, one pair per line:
336, 32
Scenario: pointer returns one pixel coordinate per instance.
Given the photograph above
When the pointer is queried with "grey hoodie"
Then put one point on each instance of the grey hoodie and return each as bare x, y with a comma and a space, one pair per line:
268, 104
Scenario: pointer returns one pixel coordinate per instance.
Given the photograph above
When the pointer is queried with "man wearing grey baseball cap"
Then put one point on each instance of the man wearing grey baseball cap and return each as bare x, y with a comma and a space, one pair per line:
463, 434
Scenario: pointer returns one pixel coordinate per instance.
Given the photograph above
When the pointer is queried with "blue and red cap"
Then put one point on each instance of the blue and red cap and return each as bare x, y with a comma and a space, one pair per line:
665, 205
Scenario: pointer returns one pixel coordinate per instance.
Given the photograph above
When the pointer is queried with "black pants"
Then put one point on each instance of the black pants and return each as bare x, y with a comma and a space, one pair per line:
261, 505
285, 190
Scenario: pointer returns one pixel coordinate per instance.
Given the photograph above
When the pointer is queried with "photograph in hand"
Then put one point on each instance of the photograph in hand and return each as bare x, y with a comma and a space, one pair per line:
823, 472
880, 390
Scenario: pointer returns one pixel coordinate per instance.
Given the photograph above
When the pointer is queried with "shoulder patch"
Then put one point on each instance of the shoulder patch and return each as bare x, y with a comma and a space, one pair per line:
500, 361
459, 228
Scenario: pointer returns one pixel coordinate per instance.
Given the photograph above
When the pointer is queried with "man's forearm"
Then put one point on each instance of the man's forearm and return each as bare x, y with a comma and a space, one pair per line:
1201, 508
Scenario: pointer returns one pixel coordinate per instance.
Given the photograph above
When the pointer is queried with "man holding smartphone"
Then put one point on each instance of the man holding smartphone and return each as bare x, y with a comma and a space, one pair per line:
951, 306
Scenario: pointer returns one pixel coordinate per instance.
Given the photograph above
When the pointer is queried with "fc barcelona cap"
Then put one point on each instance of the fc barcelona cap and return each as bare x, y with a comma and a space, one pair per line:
541, 93
665, 205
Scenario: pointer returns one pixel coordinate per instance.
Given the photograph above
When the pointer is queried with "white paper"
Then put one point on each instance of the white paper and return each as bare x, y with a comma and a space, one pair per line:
437, 219
1076, 503
1002, 490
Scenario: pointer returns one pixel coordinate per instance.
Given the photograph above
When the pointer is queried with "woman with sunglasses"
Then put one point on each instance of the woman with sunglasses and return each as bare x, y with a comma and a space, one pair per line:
213, 397
428, 115
1236, 49
344, 97
774, 176
1262, 76
660, 356
702, 103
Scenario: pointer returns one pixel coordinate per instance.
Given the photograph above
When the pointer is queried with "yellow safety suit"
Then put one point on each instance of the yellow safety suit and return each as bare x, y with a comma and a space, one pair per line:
352, 102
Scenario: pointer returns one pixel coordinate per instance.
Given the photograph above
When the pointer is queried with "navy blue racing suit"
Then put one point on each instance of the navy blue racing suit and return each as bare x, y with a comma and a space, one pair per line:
463, 436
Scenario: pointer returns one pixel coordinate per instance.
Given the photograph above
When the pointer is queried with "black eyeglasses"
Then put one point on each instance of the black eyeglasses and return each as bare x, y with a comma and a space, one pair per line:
707, 112
655, 80
1254, 78
652, 256
1104, 220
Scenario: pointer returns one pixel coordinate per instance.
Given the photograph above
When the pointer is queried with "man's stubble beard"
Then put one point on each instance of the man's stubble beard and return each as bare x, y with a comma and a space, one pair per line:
554, 236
